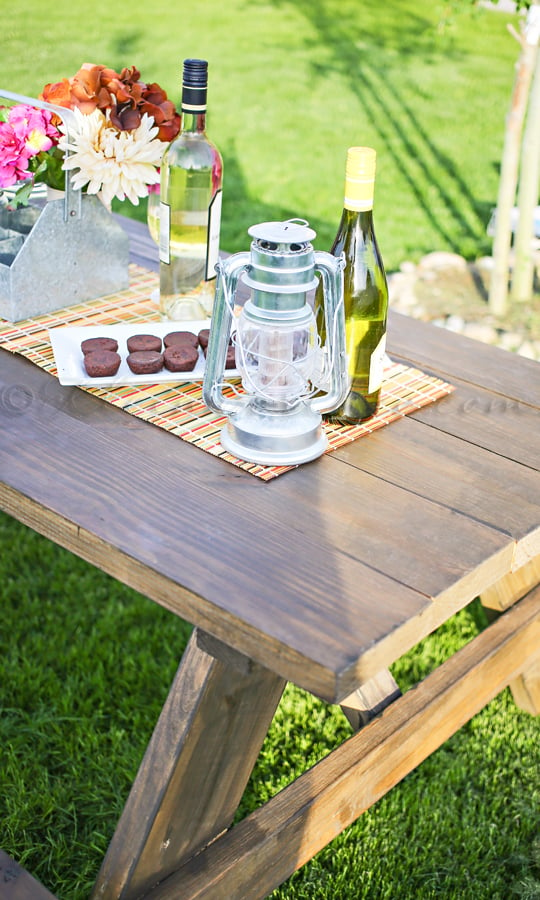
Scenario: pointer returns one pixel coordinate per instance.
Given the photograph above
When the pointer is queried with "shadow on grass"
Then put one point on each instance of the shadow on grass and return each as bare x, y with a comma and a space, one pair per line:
359, 51
241, 210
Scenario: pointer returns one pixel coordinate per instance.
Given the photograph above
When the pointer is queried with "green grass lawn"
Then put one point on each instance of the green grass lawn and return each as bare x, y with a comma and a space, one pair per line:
86, 663
293, 83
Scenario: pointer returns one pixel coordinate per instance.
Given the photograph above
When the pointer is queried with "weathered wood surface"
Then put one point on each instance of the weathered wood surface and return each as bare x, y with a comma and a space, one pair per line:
195, 769
325, 575
497, 598
17, 884
370, 699
269, 845
512, 586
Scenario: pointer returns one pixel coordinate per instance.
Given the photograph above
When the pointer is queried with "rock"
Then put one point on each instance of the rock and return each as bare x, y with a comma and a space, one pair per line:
455, 323
440, 259
528, 350
485, 263
481, 332
407, 267
510, 340
446, 290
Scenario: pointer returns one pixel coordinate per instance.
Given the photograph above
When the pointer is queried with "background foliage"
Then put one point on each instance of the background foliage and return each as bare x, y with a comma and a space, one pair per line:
85, 663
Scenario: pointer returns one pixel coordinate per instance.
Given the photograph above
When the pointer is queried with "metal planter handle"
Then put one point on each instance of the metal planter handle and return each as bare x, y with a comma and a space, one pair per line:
72, 200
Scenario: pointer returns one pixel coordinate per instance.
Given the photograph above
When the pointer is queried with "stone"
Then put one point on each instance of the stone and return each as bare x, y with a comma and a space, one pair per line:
407, 267
481, 332
510, 340
528, 350
441, 259
455, 323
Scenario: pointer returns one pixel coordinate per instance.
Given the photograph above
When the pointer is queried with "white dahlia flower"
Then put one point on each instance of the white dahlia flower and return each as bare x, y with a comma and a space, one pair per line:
110, 162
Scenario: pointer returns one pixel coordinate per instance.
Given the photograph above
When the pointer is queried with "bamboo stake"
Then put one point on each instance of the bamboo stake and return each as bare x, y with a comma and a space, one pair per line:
498, 293
529, 180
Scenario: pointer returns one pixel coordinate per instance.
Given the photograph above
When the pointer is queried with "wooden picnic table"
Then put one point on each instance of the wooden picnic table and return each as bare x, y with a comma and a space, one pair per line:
323, 577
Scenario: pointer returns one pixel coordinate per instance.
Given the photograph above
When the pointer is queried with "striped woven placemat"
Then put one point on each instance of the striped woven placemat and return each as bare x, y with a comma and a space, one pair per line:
179, 408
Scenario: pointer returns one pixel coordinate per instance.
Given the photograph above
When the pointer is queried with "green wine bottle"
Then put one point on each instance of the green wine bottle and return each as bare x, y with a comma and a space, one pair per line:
190, 207
365, 290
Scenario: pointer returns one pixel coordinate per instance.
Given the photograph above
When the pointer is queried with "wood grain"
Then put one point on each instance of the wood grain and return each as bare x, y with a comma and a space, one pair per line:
499, 597
506, 375
512, 586
194, 772
269, 845
320, 567
17, 884
370, 699
486, 487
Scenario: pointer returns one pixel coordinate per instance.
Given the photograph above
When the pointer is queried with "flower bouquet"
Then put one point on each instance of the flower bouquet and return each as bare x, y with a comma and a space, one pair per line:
112, 141
98, 135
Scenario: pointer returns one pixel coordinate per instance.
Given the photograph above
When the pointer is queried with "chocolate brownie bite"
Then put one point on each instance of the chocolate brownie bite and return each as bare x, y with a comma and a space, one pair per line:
142, 342
203, 336
99, 343
180, 358
145, 362
101, 363
230, 359
180, 337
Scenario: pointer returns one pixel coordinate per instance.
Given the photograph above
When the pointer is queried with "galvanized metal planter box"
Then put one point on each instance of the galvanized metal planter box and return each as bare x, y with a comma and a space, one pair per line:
70, 251
66, 252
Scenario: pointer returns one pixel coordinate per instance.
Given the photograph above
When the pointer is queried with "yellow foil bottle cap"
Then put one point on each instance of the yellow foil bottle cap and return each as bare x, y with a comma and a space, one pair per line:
360, 178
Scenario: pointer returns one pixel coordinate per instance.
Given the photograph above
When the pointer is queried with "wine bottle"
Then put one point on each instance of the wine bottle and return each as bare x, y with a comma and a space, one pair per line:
365, 290
190, 207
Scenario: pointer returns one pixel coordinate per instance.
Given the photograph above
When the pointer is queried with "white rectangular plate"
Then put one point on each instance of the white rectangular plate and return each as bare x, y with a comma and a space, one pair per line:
68, 356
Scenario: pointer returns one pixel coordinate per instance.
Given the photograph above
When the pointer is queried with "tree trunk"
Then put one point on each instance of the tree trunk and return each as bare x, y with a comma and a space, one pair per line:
498, 293
523, 274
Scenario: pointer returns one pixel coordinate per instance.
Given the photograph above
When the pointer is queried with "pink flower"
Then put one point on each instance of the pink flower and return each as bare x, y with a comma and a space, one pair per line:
33, 128
13, 156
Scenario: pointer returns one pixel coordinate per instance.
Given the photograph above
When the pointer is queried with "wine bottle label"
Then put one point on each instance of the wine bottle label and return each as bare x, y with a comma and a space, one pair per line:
376, 366
214, 225
194, 100
358, 195
164, 233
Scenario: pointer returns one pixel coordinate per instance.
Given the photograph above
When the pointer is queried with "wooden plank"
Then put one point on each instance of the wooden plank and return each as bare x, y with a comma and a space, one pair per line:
512, 586
497, 598
503, 426
508, 375
370, 699
264, 849
323, 535
526, 689
487, 487
17, 884
312, 601
194, 772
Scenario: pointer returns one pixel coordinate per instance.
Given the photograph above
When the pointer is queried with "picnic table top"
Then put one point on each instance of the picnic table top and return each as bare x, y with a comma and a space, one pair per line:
327, 574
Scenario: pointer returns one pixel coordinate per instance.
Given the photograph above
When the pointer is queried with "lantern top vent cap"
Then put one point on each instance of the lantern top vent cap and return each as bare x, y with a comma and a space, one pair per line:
292, 231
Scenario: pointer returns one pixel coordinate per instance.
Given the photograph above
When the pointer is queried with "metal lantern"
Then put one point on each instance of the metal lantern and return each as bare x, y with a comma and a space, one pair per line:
288, 378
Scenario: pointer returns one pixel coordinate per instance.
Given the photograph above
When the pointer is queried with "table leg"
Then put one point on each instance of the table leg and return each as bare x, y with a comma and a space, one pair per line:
268, 845
17, 884
370, 699
497, 598
195, 769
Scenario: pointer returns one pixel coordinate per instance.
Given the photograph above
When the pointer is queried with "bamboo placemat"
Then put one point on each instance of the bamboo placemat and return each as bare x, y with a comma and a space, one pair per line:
179, 408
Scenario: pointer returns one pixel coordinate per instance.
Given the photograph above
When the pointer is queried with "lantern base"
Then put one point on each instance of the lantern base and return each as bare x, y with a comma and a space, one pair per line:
282, 438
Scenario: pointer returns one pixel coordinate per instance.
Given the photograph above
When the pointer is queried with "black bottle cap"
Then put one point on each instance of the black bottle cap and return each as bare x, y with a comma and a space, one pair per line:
195, 72
194, 84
